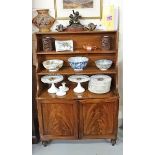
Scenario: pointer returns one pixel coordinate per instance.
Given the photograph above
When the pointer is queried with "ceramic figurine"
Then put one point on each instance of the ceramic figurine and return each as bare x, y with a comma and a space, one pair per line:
61, 91
64, 87
43, 20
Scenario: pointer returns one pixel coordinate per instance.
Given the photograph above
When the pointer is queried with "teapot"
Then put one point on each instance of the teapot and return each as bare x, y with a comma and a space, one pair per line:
89, 47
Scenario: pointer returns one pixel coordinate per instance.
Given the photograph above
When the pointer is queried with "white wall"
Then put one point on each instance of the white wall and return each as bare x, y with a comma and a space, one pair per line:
49, 4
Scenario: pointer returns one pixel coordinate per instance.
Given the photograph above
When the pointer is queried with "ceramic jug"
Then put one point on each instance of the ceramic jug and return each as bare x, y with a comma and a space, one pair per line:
89, 47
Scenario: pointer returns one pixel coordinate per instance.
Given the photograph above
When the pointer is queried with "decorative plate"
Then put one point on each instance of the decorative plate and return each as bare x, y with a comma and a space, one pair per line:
79, 78
51, 78
66, 45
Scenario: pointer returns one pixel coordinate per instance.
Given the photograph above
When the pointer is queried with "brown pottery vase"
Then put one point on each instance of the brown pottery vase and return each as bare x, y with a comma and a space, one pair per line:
43, 20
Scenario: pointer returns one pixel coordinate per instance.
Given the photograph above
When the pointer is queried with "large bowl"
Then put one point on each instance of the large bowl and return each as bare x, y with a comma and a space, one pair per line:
78, 63
53, 65
103, 64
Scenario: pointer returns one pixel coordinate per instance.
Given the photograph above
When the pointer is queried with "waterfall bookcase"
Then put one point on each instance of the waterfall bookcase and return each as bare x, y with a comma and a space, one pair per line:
77, 116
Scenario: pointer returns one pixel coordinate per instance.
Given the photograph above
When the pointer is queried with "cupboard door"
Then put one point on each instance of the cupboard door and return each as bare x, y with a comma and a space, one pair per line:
59, 119
98, 118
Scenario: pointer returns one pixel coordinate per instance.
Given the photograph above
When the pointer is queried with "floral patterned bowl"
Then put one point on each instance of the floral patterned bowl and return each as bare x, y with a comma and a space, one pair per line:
53, 65
78, 63
103, 64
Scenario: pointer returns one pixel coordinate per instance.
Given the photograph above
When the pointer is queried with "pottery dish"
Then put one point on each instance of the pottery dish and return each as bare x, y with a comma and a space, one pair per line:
103, 64
78, 63
64, 45
53, 65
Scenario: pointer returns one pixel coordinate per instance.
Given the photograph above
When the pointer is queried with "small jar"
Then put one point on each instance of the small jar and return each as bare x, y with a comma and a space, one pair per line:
107, 42
47, 43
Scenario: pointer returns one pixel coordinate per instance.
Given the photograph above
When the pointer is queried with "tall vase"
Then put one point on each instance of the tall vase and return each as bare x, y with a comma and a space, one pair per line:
43, 20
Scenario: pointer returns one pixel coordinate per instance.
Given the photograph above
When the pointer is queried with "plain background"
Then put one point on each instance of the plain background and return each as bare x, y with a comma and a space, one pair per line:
138, 77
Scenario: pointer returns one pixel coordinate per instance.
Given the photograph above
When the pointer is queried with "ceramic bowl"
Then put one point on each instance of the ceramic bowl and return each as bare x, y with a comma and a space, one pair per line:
78, 63
103, 64
53, 65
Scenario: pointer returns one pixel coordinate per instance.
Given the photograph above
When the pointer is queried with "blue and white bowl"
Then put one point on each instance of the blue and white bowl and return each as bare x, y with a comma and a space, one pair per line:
78, 63
103, 64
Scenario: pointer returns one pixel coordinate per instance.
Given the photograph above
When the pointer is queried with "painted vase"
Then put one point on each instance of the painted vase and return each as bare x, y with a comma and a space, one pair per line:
43, 20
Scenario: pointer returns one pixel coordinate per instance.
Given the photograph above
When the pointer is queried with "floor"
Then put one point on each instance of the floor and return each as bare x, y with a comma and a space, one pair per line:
82, 147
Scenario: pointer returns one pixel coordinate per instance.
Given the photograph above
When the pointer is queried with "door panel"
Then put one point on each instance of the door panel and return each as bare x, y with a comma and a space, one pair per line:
60, 119
97, 118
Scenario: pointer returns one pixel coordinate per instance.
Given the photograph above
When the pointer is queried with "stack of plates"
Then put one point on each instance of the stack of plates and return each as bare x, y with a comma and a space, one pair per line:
99, 84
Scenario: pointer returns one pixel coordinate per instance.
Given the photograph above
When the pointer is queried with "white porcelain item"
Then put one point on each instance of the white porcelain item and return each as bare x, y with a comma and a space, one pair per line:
79, 88
99, 84
51, 79
64, 86
64, 45
60, 92
53, 65
53, 89
103, 64
78, 79
78, 63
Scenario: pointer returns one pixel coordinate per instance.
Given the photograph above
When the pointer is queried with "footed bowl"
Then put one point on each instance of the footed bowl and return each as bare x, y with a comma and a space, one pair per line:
53, 65
103, 64
78, 63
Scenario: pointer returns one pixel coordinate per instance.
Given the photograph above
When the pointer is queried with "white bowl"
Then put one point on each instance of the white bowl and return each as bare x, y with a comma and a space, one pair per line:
53, 65
103, 64
78, 63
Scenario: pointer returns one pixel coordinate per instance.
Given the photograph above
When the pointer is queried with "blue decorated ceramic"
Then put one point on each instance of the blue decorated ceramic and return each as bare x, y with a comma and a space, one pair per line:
78, 63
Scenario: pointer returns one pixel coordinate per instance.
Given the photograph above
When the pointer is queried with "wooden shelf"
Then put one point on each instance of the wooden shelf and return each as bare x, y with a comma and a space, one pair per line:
72, 95
81, 32
78, 51
89, 70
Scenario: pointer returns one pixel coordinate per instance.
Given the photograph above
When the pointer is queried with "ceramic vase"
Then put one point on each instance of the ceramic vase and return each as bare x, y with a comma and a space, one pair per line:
43, 20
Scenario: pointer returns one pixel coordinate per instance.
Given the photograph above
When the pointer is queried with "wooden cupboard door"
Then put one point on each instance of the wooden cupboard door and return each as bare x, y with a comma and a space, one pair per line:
59, 120
98, 118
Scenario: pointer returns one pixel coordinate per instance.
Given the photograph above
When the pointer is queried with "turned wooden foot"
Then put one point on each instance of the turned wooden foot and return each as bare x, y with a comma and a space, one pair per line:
44, 143
113, 142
